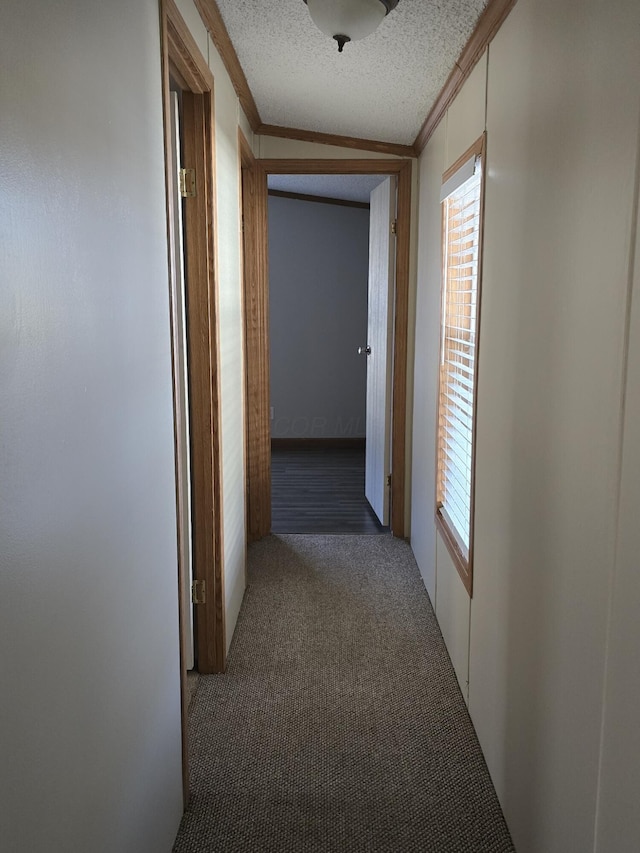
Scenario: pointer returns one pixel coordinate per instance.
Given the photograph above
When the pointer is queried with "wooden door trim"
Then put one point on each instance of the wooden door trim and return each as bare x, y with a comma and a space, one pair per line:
256, 343
202, 346
180, 55
403, 169
183, 53
399, 410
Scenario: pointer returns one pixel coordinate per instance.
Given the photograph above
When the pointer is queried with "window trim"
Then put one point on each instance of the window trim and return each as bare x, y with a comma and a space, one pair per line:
463, 564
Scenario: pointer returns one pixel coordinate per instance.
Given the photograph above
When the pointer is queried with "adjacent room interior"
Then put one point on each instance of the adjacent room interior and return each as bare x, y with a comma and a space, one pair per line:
319, 278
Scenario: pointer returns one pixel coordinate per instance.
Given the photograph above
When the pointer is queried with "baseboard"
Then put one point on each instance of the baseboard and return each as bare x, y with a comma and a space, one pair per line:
339, 442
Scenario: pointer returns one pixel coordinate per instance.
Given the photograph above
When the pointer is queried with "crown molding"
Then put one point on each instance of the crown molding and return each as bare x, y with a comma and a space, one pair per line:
320, 199
359, 144
212, 19
488, 25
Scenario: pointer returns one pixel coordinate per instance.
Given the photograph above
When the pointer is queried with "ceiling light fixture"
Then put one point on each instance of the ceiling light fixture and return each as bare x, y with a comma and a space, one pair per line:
349, 20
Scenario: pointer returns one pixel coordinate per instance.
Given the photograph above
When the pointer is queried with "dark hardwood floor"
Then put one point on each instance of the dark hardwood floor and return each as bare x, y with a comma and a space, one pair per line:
320, 491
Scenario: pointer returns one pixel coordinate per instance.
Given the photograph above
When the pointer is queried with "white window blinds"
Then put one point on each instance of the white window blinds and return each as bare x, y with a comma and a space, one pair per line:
461, 251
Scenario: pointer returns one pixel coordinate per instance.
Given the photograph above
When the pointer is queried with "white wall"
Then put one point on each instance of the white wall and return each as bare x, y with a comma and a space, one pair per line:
562, 124
318, 278
228, 118
425, 391
460, 128
90, 726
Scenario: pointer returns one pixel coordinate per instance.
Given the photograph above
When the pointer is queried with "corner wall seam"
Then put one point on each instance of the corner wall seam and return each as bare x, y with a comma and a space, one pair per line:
633, 249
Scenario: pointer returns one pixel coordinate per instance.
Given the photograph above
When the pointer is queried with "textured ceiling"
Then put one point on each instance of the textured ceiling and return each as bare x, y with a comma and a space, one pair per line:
379, 88
346, 187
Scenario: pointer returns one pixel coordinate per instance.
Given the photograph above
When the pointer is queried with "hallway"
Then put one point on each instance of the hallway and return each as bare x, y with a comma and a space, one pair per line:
339, 725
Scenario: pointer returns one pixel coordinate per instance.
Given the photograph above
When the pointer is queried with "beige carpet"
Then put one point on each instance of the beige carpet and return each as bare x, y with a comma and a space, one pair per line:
339, 725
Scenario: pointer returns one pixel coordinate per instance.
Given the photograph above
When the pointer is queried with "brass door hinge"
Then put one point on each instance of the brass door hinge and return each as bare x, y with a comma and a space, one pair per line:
388, 479
394, 226
187, 183
198, 592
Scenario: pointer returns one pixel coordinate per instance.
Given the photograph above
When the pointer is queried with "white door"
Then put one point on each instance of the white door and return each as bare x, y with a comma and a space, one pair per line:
379, 351
178, 307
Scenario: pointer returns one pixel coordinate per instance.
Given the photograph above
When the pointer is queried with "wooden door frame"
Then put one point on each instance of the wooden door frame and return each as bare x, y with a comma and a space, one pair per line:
258, 378
255, 297
182, 59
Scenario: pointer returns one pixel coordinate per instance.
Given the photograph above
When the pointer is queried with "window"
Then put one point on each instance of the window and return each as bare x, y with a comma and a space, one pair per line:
462, 198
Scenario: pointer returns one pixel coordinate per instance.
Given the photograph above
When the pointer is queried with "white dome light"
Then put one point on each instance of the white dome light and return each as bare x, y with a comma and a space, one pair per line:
349, 20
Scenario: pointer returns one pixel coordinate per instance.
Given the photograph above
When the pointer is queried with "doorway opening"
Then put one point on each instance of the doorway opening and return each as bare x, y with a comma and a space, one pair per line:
259, 440
187, 85
331, 281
